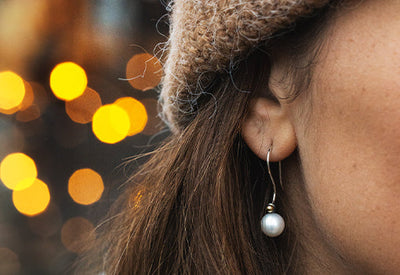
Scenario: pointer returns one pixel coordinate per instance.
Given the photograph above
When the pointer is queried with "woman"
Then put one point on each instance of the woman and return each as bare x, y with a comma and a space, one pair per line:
311, 84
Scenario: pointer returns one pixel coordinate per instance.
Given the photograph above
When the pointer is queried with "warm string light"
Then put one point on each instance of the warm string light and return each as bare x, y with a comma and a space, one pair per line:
18, 171
136, 112
68, 81
82, 109
111, 124
30, 195
85, 186
12, 90
32, 200
144, 71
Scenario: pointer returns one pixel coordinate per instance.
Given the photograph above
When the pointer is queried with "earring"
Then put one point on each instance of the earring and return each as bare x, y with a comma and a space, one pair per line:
272, 224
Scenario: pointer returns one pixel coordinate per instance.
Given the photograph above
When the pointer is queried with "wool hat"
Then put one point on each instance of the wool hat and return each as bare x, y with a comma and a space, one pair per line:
207, 37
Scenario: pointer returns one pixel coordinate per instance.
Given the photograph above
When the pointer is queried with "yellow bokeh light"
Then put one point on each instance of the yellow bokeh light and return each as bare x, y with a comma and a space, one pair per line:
68, 81
9, 111
26, 102
144, 71
136, 112
111, 123
18, 171
12, 90
81, 109
77, 234
85, 186
32, 200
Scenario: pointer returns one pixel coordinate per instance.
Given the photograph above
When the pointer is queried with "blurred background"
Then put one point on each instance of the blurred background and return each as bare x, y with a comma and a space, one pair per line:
78, 90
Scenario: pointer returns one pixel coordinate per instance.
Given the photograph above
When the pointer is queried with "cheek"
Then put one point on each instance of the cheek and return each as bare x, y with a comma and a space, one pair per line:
351, 158
350, 151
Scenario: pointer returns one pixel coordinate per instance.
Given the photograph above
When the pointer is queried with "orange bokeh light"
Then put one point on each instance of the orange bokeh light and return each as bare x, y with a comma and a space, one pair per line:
28, 98
82, 109
85, 186
77, 234
144, 71
29, 114
33, 200
136, 112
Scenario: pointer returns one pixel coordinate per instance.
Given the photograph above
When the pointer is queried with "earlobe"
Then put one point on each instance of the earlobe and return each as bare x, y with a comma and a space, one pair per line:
266, 124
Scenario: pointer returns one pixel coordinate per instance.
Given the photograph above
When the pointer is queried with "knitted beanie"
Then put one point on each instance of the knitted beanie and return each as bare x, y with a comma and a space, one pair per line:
207, 37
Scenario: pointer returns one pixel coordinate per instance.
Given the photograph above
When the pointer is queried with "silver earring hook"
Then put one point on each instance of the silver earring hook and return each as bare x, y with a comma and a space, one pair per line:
272, 178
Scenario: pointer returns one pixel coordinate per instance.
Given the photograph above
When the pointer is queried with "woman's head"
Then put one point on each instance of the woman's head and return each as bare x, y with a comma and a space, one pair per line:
322, 88
335, 98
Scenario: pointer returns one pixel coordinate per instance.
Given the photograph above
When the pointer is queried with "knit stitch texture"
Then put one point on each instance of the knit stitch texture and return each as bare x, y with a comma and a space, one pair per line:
208, 36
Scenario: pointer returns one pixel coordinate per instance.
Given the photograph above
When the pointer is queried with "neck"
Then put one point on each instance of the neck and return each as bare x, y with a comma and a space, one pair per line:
315, 254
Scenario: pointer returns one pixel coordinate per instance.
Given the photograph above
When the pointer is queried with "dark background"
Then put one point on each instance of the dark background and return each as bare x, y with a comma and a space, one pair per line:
101, 36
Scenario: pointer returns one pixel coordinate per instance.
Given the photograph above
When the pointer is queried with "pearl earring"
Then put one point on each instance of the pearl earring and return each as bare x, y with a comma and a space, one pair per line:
272, 224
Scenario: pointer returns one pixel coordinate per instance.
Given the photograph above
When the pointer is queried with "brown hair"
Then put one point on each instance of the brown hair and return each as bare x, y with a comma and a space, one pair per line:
196, 205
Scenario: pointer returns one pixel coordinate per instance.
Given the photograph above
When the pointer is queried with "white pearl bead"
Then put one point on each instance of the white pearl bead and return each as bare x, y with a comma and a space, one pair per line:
272, 224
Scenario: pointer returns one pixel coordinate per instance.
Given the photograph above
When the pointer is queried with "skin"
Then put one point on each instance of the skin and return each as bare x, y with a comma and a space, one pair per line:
346, 129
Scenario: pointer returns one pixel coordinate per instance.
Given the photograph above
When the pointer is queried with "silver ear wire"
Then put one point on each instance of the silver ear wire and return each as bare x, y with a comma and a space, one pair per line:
272, 224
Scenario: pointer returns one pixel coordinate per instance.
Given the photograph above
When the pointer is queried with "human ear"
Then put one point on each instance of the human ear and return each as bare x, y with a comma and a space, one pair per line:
266, 124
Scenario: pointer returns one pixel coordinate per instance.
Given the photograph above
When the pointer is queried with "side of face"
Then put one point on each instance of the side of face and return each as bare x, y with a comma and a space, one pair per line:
349, 141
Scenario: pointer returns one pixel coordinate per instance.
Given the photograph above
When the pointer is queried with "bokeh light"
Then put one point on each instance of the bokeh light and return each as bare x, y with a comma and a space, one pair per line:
68, 81
136, 112
9, 261
25, 103
29, 114
28, 97
18, 171
9, 111
12, 90
144, 71
77, 234
111, 124
32, 200
82, 109
85, 186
